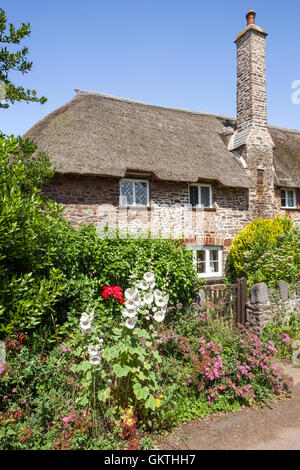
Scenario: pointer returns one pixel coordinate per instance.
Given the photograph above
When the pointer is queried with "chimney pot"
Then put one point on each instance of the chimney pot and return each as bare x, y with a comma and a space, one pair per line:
250, 17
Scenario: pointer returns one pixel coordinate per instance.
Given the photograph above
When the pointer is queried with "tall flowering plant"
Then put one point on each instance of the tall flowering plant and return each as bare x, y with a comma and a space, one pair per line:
133, 353
124, 371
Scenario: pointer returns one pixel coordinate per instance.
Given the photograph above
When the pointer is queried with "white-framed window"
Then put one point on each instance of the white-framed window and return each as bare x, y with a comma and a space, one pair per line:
134, 192
288, 198
200, 195
208, 260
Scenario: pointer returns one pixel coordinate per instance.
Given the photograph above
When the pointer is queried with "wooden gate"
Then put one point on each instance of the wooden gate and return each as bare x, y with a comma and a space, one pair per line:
228, 300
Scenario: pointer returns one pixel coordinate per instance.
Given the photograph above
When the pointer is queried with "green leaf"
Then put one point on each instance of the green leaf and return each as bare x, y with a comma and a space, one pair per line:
141, 393
104, 395
83, 401
85, 366
120, 371
151, 402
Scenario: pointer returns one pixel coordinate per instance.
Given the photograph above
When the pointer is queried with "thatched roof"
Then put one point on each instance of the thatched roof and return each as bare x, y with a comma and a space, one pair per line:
286, 156
96, 134
102, 135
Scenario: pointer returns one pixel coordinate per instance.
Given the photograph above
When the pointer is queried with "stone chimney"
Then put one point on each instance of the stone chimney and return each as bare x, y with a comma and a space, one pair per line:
252, 142
251, 76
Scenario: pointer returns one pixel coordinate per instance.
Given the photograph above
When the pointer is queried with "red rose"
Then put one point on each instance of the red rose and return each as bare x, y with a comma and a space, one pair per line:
107, 291
117, 292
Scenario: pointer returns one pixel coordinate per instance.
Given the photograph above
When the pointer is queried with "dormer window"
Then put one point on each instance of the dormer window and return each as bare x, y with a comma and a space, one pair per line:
200, 195
288, 199
134, 192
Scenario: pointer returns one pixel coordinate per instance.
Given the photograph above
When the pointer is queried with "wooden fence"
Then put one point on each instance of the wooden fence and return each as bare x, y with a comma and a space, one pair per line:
228, 300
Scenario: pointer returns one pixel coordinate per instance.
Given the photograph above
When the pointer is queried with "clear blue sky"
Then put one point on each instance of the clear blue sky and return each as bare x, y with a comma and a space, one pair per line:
178, 53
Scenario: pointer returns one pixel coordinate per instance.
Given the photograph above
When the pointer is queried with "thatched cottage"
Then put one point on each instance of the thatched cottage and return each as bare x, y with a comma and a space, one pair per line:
164, 171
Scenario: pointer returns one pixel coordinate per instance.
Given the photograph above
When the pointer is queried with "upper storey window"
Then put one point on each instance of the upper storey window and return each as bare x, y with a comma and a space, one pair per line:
134, 192
288, 199
200, 195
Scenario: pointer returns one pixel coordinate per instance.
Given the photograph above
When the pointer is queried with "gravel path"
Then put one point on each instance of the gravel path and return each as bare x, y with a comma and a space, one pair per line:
272, 427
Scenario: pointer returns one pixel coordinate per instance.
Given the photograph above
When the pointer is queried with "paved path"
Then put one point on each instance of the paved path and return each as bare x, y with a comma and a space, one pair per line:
268, 428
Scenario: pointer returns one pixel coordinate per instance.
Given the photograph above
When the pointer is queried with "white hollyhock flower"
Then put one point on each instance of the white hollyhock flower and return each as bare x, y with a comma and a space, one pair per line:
86, 323
96, 359
149, 277
129, 313
154, 309
147, 317
130, 293
157, 293
93, 350
138, 284
159, 316
148, 299
160, 301
136, 299
144, 285
86, 328
131, 305
86, 318
130, 322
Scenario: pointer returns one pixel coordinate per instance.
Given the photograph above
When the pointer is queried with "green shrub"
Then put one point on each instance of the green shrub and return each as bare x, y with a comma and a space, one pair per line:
252, 242
279, 262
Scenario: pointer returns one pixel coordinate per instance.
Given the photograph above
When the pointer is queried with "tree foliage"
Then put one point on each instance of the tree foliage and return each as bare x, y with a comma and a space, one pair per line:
15, 61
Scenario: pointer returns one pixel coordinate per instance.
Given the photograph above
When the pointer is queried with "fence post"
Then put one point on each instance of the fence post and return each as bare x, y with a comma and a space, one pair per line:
242, 294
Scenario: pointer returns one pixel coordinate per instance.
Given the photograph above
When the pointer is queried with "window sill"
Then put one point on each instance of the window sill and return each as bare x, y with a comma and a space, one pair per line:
290, 208
205, 209
137, 208
209, 277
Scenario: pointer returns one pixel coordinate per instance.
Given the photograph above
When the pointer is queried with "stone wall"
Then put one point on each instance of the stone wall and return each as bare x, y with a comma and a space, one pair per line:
89, 199
267, 305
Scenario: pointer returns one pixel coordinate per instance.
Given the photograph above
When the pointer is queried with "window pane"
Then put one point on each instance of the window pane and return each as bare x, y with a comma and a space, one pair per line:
194, 193
141, 193
127, 193
214, 260
200, 261
283, 203
205, 196
290, 198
